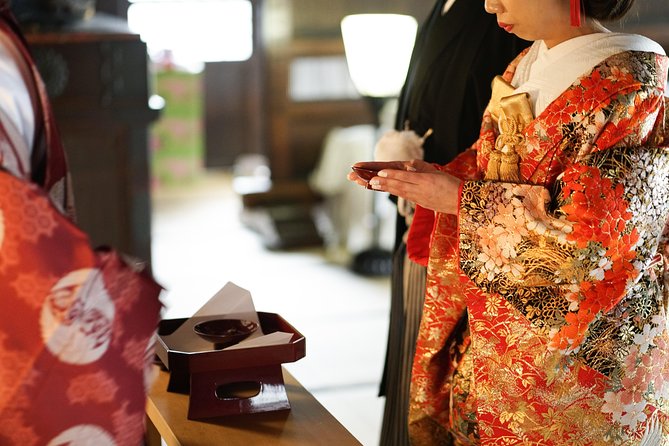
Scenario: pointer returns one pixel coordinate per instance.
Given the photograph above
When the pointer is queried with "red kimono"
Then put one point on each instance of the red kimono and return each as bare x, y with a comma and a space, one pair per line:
77, 324
545, 316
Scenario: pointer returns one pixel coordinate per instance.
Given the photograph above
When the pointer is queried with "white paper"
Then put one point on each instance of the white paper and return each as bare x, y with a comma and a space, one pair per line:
233, 302
276, 338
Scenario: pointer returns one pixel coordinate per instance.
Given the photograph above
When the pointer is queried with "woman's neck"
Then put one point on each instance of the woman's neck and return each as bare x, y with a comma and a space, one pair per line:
590, 26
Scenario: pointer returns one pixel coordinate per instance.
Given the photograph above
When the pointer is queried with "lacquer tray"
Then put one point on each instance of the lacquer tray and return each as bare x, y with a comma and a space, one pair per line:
227, 382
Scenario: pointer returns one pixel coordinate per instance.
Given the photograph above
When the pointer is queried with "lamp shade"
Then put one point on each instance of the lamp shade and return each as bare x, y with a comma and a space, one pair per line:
378, 50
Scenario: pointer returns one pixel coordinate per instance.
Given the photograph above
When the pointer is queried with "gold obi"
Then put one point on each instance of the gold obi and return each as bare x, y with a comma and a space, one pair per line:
512, 113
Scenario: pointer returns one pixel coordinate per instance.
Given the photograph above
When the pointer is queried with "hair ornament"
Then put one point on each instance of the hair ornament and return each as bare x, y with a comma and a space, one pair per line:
575, 9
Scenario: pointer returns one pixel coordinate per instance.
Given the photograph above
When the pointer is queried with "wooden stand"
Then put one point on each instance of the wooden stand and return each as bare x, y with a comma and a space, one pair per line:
207, 401
195, 368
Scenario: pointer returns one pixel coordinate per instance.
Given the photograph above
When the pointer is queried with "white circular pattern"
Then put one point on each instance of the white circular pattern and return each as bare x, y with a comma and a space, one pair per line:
77, 317
83, 435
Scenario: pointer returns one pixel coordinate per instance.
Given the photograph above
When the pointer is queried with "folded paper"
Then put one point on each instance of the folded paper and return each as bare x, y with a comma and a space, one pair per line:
230, 302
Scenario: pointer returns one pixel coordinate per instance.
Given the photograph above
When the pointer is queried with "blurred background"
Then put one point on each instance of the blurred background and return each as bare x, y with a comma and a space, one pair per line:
212, 138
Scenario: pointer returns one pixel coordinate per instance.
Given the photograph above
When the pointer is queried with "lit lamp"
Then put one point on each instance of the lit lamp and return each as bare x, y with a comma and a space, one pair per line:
378, 50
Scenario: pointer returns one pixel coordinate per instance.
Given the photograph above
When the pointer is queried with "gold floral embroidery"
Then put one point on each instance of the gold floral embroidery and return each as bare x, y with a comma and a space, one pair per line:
559, 276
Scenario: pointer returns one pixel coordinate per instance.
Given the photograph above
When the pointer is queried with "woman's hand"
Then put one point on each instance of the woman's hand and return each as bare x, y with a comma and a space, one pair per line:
421, 183
364, 171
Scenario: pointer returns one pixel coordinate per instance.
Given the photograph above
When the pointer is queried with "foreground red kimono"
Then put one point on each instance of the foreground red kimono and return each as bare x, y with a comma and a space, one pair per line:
76, 323
545, 316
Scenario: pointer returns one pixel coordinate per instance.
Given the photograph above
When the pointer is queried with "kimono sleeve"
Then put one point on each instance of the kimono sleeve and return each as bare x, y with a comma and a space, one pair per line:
580, 259
566, 255
76, 337
422, 225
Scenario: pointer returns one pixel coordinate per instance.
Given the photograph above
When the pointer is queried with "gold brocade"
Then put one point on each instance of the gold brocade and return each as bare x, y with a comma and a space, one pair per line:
566, 314
512, 113
500, 89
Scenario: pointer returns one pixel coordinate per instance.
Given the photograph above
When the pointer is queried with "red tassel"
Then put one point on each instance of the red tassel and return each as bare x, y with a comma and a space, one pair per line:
575, 12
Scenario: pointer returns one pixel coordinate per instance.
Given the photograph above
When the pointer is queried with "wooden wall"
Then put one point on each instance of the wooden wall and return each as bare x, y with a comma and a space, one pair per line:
295, 130
247, 107
321, 18
118, 8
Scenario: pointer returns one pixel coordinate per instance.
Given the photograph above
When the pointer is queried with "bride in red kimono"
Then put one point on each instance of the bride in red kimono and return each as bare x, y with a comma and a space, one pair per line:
545, 319
76, 323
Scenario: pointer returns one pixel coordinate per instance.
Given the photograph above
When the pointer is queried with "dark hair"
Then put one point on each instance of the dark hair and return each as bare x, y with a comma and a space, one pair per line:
607, 10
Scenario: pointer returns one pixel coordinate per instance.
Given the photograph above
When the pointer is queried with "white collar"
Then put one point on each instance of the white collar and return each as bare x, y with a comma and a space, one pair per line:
546, 73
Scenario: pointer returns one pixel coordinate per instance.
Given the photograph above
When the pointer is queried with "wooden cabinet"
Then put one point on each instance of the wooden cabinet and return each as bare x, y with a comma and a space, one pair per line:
96, 73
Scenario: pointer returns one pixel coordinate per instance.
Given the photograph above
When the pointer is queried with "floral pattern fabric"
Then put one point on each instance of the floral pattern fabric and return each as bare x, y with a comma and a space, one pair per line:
545, 316
77, 323
76, 331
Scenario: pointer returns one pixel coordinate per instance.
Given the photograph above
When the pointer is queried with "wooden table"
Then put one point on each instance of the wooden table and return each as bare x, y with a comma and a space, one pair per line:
306, 423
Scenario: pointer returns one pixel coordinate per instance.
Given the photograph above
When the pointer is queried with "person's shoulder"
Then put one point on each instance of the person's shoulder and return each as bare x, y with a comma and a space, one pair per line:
633, 43
640, 63
631, 72
631, 57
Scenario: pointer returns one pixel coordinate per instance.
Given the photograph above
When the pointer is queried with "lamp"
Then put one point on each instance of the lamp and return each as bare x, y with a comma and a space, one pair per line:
378, 51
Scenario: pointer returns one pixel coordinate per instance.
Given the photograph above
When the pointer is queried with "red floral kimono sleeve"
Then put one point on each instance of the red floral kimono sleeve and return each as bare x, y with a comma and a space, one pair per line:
587, 254
578, 257
545, 312
422, 224
587, 239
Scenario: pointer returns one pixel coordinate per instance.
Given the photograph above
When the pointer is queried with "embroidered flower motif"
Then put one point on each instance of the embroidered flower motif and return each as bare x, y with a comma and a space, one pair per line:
627, 333
614, 405
591, 246
434, 333
645, 339
498, 241
421, 394
574, 302
596, 90
634, 415
634, 389
492, 304
655, 365
603, 265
